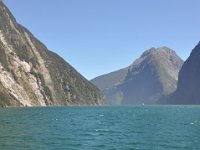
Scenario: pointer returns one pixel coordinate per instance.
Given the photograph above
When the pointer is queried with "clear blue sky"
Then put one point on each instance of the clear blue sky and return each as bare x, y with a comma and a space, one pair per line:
100, 36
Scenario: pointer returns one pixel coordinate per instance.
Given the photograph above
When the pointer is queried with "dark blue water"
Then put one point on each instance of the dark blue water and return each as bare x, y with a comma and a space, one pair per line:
100, 128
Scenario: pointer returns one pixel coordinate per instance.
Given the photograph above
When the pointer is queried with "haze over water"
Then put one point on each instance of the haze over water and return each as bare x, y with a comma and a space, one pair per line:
96, 128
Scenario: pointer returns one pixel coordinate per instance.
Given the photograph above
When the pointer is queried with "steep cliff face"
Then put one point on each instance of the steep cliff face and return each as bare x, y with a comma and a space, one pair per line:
150, 77
188, 89
31, 75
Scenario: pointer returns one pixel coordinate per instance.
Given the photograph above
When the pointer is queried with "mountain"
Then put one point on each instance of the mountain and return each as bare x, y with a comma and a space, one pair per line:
188, 88
108, 84
31, 75
149, 78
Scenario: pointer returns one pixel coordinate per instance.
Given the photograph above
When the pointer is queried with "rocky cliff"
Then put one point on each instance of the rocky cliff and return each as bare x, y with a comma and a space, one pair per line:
31, 75
152, 76
188, 89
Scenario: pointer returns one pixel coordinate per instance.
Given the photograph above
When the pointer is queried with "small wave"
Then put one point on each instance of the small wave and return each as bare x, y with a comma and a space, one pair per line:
101, 130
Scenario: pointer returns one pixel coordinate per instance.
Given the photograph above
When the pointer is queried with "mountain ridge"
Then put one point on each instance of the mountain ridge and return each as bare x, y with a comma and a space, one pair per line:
31, 75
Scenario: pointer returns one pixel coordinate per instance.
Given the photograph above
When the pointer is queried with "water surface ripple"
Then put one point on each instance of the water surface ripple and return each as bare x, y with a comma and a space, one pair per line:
97, 128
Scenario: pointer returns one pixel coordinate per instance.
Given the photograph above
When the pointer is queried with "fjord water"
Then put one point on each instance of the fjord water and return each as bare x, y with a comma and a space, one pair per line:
96, 128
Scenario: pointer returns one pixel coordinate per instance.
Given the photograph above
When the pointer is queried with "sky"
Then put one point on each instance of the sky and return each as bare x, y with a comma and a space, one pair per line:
100, 36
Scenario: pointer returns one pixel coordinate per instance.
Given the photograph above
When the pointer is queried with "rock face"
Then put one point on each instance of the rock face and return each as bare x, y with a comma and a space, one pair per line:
188, 89
149, 78
31, 75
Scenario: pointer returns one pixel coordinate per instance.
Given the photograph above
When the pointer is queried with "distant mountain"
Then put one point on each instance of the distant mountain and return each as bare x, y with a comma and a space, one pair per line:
31, 75
149, 78
188, 89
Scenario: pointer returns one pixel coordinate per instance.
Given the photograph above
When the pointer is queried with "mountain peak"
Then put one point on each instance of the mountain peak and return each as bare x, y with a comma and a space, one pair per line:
158, 51
158, 56
150, 77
